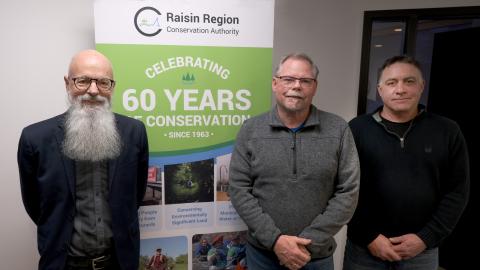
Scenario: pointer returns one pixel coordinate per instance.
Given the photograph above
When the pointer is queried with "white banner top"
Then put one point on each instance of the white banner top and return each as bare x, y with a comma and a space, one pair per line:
232, 23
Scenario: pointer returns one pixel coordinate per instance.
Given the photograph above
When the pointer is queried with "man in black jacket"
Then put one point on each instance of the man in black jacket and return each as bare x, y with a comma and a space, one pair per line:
414, 177
83, 175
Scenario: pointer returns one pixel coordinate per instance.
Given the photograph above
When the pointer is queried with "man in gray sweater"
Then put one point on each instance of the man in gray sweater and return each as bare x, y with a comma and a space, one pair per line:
294, 175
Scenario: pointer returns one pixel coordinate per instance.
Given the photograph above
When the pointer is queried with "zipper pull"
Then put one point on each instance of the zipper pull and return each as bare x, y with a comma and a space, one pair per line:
402, 144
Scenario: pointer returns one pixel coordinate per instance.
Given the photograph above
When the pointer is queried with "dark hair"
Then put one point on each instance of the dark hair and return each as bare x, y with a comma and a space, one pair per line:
159, 249
299, 56
398, 59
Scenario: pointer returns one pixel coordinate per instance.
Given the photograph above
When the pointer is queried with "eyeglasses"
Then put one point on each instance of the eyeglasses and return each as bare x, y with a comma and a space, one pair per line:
103, 84
289, 81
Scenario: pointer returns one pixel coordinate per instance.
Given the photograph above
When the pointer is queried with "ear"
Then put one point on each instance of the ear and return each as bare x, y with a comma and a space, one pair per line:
65, 78
316, 87
422, 85
379, 90
274, 84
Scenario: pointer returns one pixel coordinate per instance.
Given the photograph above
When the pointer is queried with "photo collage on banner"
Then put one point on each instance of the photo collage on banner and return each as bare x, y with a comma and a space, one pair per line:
192, 72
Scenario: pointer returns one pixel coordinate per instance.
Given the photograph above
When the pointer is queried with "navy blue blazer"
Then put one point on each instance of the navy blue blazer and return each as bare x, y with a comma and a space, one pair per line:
47, 179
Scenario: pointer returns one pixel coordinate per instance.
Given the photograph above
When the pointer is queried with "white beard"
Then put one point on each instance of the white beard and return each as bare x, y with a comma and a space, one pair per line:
90, 131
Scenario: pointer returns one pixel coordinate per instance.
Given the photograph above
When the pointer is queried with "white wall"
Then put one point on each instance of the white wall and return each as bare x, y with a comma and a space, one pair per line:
39, 37
36, 42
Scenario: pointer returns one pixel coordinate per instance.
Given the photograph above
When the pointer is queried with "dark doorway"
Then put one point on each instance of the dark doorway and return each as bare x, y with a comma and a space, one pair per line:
454, 87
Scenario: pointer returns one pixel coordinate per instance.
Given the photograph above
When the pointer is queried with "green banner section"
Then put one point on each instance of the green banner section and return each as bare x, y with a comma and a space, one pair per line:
190, 98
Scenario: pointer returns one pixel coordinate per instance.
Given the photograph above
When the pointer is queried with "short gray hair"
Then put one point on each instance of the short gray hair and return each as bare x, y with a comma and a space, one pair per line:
298, 56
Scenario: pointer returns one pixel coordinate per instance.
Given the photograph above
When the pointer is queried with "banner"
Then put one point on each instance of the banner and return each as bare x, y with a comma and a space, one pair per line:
192, 72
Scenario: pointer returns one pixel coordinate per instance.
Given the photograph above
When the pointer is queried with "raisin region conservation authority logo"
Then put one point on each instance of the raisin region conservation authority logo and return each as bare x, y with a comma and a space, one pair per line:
147, 21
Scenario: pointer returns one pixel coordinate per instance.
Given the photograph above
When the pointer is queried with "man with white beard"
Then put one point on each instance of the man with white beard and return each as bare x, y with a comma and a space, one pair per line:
83, 175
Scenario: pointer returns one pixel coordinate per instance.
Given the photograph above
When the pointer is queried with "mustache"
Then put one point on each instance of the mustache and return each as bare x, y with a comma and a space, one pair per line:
294, 94
87, 97
77, 101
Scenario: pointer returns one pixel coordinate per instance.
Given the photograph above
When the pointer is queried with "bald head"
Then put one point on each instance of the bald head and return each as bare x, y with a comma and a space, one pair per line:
90, 63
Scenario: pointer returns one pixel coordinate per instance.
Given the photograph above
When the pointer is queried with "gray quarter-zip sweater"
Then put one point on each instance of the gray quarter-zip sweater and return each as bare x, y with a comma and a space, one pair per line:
302, 183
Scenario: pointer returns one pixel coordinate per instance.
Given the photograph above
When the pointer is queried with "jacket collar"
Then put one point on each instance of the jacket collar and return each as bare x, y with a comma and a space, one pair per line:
68, 163
376, 114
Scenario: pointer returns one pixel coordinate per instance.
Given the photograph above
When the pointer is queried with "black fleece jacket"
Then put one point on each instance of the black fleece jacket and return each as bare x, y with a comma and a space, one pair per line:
415, 184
